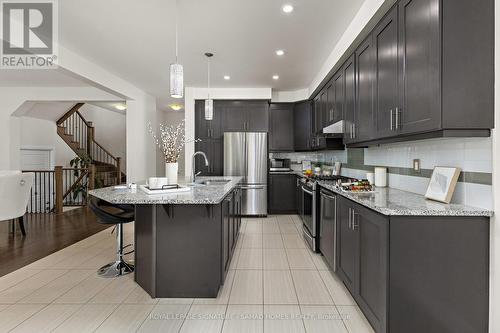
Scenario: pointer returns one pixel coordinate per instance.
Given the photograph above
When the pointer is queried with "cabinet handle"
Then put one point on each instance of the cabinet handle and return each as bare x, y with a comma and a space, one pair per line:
392, 125
355, 223
397, 117
349, 221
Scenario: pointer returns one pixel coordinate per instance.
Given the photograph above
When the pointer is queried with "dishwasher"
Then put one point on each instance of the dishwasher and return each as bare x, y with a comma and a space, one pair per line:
328, 227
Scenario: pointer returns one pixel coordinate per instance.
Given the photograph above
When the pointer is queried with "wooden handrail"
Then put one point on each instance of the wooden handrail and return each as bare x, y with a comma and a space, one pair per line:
68, 114
104, 149
77, 181
83, 119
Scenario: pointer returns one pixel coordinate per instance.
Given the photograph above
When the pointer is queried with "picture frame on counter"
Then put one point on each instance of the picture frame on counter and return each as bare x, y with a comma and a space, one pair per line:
442, 184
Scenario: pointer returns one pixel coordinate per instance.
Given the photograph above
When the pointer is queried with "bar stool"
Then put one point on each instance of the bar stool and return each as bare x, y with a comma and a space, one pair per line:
118, 215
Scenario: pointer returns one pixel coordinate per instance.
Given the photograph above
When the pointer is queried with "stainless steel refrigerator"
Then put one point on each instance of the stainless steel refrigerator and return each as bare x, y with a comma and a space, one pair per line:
245, 154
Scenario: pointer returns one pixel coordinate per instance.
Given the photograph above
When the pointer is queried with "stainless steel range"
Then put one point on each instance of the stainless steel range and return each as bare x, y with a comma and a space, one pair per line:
310, 201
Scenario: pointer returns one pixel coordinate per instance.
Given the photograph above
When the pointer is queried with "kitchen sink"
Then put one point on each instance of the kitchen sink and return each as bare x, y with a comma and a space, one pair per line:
213, 181
208, 182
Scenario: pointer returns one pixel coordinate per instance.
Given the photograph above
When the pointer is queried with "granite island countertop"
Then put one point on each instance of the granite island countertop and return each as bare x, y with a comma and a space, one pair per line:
201, 194
394, 202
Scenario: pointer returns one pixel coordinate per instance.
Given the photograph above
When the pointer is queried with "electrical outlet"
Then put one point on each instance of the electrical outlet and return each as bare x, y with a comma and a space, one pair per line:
416, 165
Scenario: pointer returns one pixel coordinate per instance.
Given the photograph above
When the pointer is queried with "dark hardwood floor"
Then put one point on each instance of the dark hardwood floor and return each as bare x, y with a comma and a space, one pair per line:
46, 234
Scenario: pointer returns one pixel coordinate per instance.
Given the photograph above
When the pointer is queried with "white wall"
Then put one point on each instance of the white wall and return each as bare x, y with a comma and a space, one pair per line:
141, 154
191, 94
366, 12
109, 130
290, 96
43, 133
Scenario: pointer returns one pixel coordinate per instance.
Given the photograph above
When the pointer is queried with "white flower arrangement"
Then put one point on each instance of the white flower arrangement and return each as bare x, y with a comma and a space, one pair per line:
171, 141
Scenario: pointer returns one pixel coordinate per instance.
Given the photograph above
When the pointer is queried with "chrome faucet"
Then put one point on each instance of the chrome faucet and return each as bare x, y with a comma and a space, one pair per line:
193, 174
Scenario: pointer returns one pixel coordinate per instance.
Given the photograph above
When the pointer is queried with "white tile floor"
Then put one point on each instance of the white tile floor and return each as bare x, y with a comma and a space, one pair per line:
275, 284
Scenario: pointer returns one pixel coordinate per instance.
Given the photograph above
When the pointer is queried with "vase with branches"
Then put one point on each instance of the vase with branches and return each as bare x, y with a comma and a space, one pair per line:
171, 141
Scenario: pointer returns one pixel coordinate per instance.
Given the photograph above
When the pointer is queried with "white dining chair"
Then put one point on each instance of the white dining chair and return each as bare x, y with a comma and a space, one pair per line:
15, 192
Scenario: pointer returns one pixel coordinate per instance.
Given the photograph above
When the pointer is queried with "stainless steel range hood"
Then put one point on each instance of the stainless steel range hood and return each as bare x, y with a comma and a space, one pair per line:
335, 128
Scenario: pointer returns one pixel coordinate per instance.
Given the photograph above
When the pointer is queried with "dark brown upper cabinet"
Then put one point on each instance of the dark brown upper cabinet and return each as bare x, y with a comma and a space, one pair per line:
365, 64
207, 128
302, 125
423, 73
349, 99
339, 96
320, 106
386, 76
244, 116
281, 127
330, 103
419, 109
316, 115
213, 148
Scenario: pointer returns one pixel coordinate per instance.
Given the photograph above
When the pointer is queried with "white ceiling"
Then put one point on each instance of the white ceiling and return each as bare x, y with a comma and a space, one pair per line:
135, 39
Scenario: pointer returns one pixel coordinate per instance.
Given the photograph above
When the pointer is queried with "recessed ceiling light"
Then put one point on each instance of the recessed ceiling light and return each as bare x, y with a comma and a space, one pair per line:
120, 107
276, 77
176, 107
280, 52
287, 9
227, 77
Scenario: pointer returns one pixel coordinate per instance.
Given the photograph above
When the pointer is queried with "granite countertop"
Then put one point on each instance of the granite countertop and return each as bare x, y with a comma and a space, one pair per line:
394, 202
200, 194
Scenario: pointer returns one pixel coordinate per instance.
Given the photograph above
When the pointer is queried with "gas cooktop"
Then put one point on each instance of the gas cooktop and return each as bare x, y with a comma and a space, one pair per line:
327, 178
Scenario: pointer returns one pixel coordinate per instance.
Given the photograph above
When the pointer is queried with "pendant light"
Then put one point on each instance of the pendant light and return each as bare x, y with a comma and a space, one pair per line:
176, 70
209, 103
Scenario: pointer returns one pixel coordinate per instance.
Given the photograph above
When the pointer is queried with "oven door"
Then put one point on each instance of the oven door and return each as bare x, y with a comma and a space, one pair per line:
307, 213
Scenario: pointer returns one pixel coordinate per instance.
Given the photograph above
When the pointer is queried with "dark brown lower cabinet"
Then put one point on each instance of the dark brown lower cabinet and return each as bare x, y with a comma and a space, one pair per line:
184, 251
281, 193
298, 196
415, 274
231, 221
328, 204
362, 257
346, 244
372, 264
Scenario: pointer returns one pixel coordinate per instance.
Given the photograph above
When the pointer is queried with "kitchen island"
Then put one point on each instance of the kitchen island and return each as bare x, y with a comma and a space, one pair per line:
183, 242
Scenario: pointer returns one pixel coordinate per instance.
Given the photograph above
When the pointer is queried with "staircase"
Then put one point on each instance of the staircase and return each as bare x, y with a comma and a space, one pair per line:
78, 133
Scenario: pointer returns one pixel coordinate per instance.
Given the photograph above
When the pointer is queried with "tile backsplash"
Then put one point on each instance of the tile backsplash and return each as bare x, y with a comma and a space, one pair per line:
472, 155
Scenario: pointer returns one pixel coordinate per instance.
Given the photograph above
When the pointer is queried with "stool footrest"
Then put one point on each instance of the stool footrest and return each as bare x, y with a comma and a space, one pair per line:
115, 269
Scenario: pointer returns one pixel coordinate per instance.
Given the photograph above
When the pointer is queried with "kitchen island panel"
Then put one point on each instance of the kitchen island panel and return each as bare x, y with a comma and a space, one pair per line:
178, 250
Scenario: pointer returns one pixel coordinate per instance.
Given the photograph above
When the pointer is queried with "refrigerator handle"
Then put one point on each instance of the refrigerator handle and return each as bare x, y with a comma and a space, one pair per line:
245, 152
